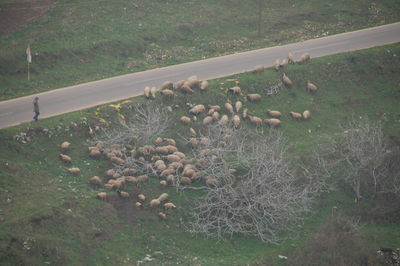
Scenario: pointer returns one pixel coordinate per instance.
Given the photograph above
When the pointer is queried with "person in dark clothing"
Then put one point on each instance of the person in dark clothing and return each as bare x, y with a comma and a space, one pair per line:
36, 108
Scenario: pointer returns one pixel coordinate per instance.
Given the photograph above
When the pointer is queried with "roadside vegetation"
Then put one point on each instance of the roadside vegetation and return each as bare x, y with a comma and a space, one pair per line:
48, 215
73, 42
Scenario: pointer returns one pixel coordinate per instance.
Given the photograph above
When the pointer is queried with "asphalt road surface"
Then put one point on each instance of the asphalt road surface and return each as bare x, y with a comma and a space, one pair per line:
64, 100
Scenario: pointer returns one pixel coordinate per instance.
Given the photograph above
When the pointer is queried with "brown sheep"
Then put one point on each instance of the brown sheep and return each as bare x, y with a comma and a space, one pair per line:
178, 85
286, 80
163, 183
258, 69
95, 180
296, 115
147, 92
193, 132
304, 58
170, 179
245, 113
169, 205
235, 90
273, 122
129, 171
142, 178
186, 180
170, 141
256, 120
204, 85
65, 158
236, 121
167, 85
94, 153
238, 105
283, 63
274, 114
216, 108
311, 87
290, 58
123, 194
173, 158
74, 170
306, 115
229, 108
162, 216
65, 145
102, 195
117, 160
253, 97
154, 203
141, 197
211, 181
224, 119
153, 91
207, 120
197, 109
163, 197
168, 93
186, 89
138, 205
132, 180
185, 120
215, 116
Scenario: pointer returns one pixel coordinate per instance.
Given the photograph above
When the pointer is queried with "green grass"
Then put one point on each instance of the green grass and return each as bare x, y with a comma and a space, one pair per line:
50, 216
81, 41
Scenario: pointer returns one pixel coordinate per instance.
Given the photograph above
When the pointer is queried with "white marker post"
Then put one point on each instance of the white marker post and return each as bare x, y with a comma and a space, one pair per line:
28, 58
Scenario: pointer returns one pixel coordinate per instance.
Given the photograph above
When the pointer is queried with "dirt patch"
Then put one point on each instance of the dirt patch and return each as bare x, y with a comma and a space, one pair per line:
14, 16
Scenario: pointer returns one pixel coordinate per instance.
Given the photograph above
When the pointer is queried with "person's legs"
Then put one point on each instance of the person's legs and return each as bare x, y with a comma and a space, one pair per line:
36, 116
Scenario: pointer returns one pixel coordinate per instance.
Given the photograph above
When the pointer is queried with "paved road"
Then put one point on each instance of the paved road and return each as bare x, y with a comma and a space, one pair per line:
16, 111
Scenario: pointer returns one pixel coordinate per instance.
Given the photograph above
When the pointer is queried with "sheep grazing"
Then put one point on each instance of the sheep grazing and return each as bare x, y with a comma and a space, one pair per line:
123, 194
129, 171
238, 105
94, 153
141, 197
211, 182
168, 93
273, 122
224, 119
204, 85
170, 141
65, 145
256, 120
163, 197
258, 69
311, 87
169, 205
131, 179
277, 64
210, 111
193, 132
229, 108
306, 115
186, 89
117, 160
207, 120
253, 97
186, 180
197, 109
274, 114
74, 170
283, 63
65, 158
296, 115
215, 116
167, 85
147, 92
95, 181
170, 179
142, 178
193, 82
178, 85
173, 158
304, 58
290, 58
160, 165
110, 173
102, 195
185, 120
236, 121
286, 80
138, 205
216, 108
180, 154
235, 90
154, 203
153, 92
162, 216
163, 183
245, 113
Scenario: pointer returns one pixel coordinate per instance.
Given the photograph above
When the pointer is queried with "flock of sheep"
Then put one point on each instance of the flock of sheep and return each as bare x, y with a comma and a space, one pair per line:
163, 158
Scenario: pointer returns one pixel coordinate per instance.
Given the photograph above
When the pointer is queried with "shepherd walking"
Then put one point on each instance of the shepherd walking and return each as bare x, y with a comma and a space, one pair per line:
36, 108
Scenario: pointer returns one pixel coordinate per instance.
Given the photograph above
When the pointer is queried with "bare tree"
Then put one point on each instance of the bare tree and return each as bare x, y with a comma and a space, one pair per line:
357, 156
256, 191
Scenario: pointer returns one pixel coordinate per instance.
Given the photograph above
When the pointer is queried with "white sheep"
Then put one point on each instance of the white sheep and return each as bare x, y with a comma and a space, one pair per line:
286, 80
273, 122
65, 158
216, 108
290, 58
207, 120
74, 170
169, 205
197, 109
229, 108
167, 85
236, 121
186, 89
304, 58
306, 115
162, 216
153, 91
253, 97
245, 113
296, 115
147, 91
258, 69
185, 120
141, 197
95, 180
215, 116
256, 120
168, 93
178, 85
235, 90
274, 113
102, 195
154, 203
238, 105
163, 197
311, 87
65, 145
277, 64
204, 85
224, 119
193, 132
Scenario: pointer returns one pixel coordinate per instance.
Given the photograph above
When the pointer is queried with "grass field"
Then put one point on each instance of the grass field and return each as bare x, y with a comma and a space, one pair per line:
80, 41
48, 216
